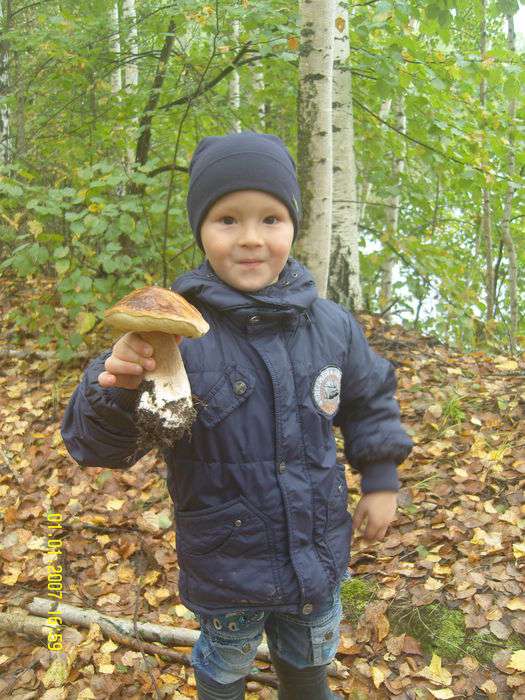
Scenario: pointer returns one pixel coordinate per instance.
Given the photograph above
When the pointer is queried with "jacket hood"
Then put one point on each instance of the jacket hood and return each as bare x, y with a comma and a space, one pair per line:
292, 294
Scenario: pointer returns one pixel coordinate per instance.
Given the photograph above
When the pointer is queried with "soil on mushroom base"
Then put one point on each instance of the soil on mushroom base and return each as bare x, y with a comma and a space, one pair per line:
152, 430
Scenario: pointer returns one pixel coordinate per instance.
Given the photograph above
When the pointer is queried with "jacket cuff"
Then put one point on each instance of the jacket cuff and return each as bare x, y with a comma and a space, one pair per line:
126, 399
379, 476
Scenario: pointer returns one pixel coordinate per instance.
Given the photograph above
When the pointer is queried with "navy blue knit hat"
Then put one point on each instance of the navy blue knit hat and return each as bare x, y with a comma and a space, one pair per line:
241, 161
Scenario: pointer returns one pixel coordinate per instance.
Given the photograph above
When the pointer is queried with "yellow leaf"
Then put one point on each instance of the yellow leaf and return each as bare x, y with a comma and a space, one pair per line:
11, 578
108, 647
151, 577
125, 574
517, 660
489, 687
507, 365
106, 668
340, 24
56, 675
518, 549
115, 504
441, 570
441, 693
378, 676
435, 673
293, 43
168, 679
432, 584
516, 604
35, 227
86, 694
85, 322
486, 539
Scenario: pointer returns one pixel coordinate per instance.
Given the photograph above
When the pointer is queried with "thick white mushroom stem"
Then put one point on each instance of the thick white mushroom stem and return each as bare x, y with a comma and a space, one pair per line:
165, 409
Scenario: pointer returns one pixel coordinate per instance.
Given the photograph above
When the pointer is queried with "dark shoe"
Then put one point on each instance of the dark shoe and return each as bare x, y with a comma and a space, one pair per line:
302, 683
209, 689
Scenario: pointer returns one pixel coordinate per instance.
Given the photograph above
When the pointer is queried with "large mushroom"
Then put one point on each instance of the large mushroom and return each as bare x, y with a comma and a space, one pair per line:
165, 408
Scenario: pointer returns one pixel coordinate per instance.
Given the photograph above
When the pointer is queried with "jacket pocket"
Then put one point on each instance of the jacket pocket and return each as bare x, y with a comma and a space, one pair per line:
228, 555
338, 533
230, 390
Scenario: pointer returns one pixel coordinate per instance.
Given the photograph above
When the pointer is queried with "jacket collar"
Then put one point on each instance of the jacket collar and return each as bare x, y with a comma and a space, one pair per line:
283, 302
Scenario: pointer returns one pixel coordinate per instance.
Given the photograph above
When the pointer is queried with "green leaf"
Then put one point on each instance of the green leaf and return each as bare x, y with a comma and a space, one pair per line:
62, 266
85, 322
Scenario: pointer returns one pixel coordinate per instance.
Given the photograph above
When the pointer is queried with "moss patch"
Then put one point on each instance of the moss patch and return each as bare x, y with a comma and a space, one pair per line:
356, 593
483, 645
437, 628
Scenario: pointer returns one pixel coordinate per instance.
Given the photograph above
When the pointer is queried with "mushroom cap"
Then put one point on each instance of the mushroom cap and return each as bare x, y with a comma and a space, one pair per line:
156, 309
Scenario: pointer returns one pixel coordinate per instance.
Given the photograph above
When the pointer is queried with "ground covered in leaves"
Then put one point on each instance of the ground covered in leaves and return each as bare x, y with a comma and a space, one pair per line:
436, 610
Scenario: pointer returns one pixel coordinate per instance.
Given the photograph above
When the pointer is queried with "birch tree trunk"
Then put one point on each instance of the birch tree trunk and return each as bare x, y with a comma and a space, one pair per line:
486, 223
131, 69
508, 241
314, 149
5, 131
344, 284
259, 86
20, 142
234, 85
116, 76
392, 213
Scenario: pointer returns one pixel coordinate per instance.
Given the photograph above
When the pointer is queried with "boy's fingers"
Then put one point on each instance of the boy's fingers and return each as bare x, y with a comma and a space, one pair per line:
138, 345
116, 366
107, 379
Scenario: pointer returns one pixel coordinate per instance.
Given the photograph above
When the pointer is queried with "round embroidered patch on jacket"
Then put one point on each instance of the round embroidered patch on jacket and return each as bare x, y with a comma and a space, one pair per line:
326, 390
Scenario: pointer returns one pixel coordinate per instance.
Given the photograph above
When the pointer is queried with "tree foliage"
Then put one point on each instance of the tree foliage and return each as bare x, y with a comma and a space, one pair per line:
74, 207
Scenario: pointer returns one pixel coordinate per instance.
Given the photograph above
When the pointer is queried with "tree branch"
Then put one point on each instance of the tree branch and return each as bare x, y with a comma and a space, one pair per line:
214, 81
144, 141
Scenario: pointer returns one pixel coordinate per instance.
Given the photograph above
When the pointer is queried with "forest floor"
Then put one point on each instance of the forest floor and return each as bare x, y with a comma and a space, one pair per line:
435, 610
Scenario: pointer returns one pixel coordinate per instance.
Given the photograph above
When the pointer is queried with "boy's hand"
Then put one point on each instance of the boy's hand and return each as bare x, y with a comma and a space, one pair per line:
379, 508
130, 357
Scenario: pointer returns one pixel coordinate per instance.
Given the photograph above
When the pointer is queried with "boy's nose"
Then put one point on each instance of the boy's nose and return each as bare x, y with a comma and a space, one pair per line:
250, 234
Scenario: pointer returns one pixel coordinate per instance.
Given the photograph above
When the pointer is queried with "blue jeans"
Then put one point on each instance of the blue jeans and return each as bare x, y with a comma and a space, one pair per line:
227, 644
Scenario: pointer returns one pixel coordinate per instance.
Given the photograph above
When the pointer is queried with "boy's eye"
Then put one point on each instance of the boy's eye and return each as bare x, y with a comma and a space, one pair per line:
229, 219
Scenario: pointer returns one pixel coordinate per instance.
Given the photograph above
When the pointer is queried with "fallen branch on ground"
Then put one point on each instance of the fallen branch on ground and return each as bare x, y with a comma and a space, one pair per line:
169, 636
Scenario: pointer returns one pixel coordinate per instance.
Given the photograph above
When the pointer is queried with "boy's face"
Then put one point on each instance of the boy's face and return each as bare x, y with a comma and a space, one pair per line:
246, 226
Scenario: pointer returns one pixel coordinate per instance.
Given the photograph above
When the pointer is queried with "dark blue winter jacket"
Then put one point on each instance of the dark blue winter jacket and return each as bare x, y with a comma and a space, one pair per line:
260, 501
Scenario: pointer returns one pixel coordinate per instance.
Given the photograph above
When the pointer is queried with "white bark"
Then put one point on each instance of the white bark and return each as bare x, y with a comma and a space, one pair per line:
5, 136
392, 211
116, 76
344, 281
508, 241
131, 69
316, 21
235, 83
259, 86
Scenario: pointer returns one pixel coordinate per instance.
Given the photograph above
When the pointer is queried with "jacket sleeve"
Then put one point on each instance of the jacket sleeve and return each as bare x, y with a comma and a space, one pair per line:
98, 428
375, 442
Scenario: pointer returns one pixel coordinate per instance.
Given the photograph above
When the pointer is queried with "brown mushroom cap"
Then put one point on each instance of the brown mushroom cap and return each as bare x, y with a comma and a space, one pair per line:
156, 309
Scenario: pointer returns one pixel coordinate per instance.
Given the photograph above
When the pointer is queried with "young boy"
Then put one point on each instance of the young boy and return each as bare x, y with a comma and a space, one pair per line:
263, 531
